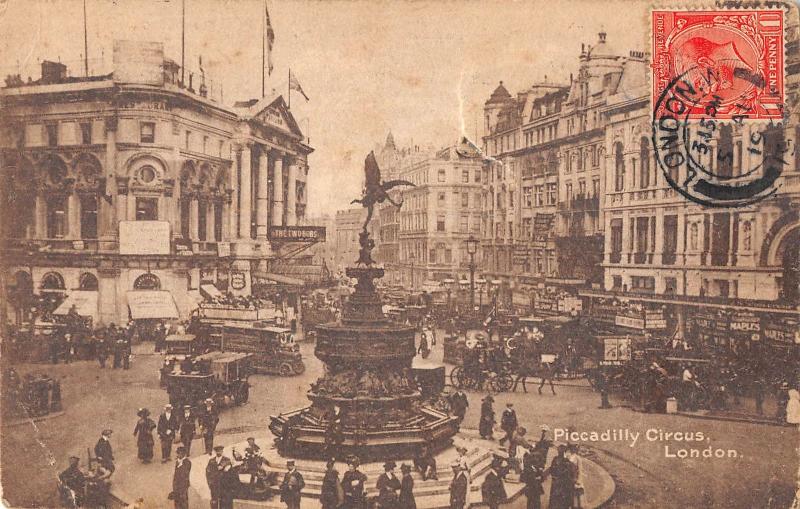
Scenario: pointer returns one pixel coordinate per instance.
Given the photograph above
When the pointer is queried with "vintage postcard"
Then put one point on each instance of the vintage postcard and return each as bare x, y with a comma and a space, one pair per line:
399, 254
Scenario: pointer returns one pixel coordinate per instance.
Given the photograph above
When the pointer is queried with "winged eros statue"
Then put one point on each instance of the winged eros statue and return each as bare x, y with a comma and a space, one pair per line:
376, 191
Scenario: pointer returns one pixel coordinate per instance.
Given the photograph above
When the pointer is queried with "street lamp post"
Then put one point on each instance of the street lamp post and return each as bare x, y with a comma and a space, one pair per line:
412, 259
472, 248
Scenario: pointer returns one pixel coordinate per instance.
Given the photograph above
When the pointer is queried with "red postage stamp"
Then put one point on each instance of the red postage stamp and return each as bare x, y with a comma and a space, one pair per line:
733, 59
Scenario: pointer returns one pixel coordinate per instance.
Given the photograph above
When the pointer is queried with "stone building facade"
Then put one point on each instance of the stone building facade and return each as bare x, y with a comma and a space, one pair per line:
83, 158
438, 215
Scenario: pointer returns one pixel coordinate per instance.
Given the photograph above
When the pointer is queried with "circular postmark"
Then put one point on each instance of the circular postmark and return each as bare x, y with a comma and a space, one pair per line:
699, 164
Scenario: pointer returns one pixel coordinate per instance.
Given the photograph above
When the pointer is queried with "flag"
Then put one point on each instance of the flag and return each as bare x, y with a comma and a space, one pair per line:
270, 35
295, 85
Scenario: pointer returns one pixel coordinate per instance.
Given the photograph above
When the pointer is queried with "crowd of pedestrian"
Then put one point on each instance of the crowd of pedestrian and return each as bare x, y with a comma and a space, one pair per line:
33, 395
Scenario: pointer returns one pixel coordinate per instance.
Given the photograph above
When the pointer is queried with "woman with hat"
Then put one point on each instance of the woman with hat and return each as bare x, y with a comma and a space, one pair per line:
486, 424
330, 494
562, 487
407, 500
144, 435
353, 485
388, 486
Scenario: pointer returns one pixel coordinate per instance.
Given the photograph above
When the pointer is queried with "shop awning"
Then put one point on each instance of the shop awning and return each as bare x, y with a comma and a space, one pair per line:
151, 304
85, 303
210, 291
279, 278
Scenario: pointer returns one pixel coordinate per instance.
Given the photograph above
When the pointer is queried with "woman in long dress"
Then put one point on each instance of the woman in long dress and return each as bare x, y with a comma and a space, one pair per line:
144, 435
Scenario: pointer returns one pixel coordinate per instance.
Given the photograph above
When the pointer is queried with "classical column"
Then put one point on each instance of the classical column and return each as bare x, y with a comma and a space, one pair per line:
106, 213
244, 192
226, 216
680, 259
277, 192
291, 196
626, 237
121, 201
262, 194
658, 249
232, 205
210, 223
40, 220
194, 214
73, 216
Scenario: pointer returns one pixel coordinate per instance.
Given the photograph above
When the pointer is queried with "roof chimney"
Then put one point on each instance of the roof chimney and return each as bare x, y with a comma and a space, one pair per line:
53, 72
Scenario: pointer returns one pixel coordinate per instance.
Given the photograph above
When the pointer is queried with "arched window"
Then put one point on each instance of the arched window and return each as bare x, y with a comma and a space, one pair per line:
619, 167
52, 281
88, 281
147, 281
644, 157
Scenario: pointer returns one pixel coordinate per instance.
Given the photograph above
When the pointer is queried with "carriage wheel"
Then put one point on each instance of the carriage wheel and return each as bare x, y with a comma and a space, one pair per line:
502, 382
299, 368
458, 378
285, 369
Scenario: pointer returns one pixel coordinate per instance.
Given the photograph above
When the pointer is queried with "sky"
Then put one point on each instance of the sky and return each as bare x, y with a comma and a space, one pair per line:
418, 68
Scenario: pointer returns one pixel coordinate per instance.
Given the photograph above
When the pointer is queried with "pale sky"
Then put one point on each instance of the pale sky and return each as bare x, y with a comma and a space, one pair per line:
420, 69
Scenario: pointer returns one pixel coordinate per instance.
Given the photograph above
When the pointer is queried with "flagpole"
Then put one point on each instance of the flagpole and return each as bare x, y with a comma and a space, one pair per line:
289, 105
85, 43
183, 43
264, 50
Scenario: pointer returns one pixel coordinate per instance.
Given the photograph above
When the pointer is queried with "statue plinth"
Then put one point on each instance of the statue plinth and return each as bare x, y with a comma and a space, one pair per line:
367, 402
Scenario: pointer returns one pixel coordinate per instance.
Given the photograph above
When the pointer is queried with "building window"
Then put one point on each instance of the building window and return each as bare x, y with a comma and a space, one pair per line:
147, 281
644, 156
619, 167
616, 240
568, 192
465, 200
442, 175
52, 281
511, 199
582, 188
57, 217
527, 197
88, 281
595, 187
147, 132
465, 176
441, 198
643, 283
205, 144
187, 142
186, 204
86, 133
221, 146
642, 234
616, 283
670, 239
202, 220
51, 131
440, 223
539, 195
147, 209
551, 193
477, 176
218, 222
89, 217
464, 223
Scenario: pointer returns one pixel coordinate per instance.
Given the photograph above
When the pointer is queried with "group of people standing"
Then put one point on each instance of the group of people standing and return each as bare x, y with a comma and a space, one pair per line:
528, 460
173, 427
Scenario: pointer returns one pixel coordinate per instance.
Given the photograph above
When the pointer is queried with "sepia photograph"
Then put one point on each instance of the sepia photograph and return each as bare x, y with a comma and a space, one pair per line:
400, 254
